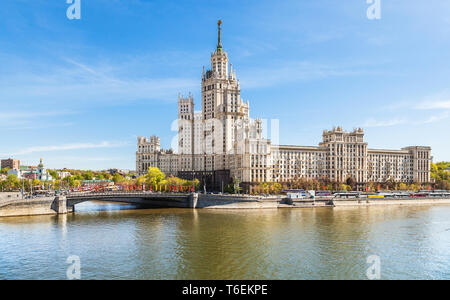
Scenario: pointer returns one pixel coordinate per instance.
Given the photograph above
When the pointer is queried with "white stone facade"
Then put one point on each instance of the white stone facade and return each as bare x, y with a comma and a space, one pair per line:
222, 136
343, 154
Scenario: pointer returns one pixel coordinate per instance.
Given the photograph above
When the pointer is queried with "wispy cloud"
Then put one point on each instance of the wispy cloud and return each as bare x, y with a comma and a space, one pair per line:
32, 120
442, 104
372, 122
437, 118
67, 147
70, 83
296, 71
8, 116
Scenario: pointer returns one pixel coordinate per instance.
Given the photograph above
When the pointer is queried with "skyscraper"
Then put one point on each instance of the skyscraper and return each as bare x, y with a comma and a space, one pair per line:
221, 142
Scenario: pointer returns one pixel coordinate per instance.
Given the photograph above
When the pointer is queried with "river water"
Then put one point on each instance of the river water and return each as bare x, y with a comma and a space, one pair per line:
121, 242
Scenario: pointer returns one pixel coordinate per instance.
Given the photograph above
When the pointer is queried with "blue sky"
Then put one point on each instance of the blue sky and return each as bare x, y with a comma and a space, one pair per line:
78, 92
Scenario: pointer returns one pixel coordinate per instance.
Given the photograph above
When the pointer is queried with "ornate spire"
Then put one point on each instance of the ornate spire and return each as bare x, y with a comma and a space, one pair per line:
219, 43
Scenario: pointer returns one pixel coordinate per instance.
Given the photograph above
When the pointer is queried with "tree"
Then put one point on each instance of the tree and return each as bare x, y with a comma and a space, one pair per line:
345, 187
88, 175
71, 180
117, 178
154, 176
140, 181
12, 183
403, 187
351, 182
276, 188
54, 174
78, 177
36, 182
440, 176
236, 185
196, 184
4, 171
57, 184
229, 188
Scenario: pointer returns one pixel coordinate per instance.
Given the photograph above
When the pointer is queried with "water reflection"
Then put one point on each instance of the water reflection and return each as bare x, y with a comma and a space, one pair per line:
320, 243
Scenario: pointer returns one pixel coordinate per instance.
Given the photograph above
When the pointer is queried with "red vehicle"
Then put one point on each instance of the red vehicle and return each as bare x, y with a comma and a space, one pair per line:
420, 195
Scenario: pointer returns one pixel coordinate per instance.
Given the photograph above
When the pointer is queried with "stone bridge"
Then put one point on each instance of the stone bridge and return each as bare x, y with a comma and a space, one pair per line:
151, 199
13, 204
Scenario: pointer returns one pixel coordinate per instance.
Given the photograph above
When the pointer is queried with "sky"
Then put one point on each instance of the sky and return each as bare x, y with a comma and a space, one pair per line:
78, 92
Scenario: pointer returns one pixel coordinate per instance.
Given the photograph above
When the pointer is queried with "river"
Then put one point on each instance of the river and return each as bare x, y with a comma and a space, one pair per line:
121, 242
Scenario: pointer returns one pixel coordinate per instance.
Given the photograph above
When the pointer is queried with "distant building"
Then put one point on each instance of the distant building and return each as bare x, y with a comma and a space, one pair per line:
30, 175
16, 172
119, 171
43, 175
63, 174
31, 172
10, 163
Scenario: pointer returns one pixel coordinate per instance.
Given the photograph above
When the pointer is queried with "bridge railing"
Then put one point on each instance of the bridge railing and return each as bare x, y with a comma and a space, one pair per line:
122, 193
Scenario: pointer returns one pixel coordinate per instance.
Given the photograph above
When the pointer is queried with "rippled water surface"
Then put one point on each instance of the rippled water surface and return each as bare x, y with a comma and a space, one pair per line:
322, 243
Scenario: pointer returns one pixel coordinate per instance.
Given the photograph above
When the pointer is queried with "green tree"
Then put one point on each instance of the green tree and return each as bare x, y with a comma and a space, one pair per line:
4, 171
237, 185
53, 173
117, 178
88, 175
154, 176
12, 183
345, 187
78, 177
140, 180
403, 186
36, 183
440, 176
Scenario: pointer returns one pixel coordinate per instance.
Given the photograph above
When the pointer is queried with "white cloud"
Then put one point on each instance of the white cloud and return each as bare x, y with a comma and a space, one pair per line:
8, 116
371, 122
428, 105
295, 71
437, 118
29, 120
67, 147
72, 83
